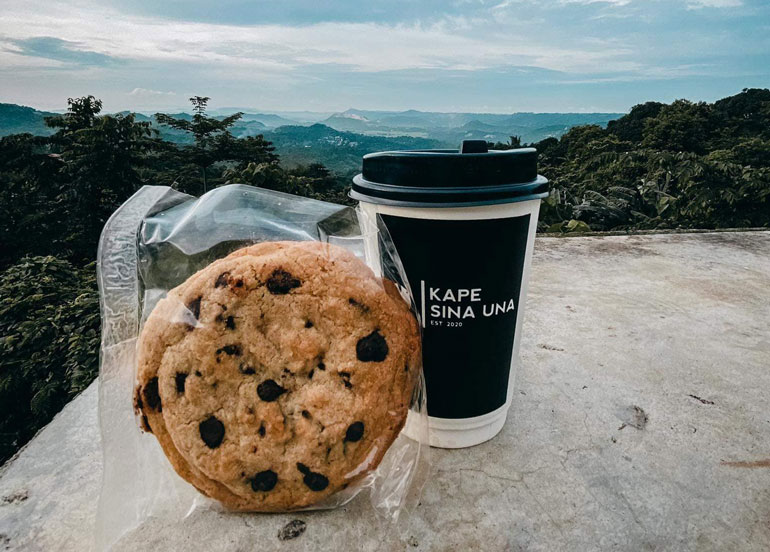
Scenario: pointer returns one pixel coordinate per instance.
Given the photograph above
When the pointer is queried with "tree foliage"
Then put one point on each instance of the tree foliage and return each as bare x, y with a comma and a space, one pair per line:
214, 143
49, 342
681, 165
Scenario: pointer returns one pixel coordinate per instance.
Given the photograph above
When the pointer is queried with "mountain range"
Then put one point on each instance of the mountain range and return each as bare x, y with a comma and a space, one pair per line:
340, 139
452, 128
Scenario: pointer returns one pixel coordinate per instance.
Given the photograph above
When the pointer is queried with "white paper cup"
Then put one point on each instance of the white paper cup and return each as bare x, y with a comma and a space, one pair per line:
463, 225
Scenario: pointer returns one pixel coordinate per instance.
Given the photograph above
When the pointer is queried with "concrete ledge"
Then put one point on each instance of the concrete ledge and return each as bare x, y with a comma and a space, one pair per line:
640, 422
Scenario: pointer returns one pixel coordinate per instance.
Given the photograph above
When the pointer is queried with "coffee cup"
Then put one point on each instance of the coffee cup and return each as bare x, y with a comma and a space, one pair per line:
463, 223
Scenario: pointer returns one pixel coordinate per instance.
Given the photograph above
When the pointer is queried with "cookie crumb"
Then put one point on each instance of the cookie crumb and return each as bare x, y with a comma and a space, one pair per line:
292, 530
17, 496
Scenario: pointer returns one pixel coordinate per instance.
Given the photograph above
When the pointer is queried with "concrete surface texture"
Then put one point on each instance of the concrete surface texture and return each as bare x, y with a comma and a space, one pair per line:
640, 422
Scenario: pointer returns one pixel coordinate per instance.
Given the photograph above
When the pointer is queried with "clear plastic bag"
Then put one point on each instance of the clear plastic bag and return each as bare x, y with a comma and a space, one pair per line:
153, 243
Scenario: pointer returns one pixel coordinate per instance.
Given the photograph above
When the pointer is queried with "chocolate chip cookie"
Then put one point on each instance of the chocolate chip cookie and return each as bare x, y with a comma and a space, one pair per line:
278, 375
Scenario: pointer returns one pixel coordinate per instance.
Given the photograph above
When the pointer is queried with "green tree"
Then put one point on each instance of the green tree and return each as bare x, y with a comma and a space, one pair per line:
746, 114
314, 181
30, 215
630, 127
49, 343
214, 142
681, 126
101, 159
512, 143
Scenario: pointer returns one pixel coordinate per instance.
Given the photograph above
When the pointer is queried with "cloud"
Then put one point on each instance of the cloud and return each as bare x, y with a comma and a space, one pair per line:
49, 47
147, 93
98, 34
584, 2
698, 4
380, 54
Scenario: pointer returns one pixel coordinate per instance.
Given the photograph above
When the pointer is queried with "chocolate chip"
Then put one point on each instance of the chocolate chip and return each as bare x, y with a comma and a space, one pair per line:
355, 432
269, 391
314, 481
346, 379
146, 424
308, 324
152, 396
321, 366
247, 370
281, 282
198, 373
222, 279
292, 530
261, 429
310, 374
194, 307
306, 414
232, 350
212, 432
264, 481
180, 381
372, 348
359, 305
238, 283
230, 323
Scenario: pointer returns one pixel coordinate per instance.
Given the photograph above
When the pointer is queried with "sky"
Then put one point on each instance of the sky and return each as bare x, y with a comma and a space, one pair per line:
499, 56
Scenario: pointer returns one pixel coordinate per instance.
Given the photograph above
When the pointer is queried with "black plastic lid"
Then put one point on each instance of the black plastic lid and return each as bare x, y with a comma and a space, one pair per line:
472, 175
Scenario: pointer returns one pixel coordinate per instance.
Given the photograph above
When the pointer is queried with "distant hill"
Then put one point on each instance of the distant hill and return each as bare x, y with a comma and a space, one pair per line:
452, 128
339, 140
18, 119
269, 120
339, 150
244, 127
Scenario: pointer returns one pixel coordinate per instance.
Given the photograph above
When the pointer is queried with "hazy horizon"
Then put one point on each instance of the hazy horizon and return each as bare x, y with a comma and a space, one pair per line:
472, 56
311, 115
